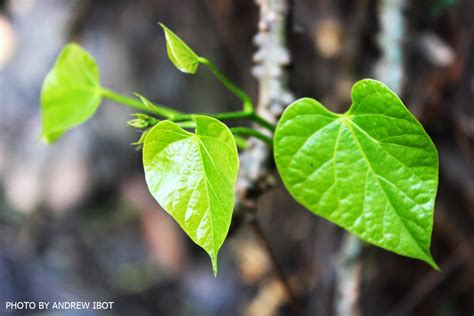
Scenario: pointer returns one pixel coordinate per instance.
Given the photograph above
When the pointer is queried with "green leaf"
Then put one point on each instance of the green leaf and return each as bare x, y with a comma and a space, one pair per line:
192, 176
372, 170
70, 93
183, 57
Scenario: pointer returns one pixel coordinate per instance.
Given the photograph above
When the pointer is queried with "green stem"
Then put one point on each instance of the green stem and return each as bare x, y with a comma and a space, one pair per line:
240, 142
137, 104
229, 116
252, 132
178, 116
263, 122
248, 106
130, 102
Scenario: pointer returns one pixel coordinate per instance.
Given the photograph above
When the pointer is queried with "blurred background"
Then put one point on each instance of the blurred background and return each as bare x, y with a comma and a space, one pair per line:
77, 222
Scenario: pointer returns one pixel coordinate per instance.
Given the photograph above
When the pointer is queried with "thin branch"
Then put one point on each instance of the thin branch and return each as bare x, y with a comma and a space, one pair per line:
277, 267
348, 282
254, 133
434, 279
229, 116
247, 102
257, 167
272, 58
176, 116
130, 102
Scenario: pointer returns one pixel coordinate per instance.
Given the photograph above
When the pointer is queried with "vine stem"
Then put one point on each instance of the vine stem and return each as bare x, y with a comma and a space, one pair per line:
176, 116
258, 230
229, 116
130, 102
248, 106
257, 166
252, 132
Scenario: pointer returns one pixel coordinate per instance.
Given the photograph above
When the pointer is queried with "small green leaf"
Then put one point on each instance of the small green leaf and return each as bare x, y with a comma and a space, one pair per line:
137, 123
183, 57
70, 93
142, 121
192, 176
158, 110
372, 171
145, 117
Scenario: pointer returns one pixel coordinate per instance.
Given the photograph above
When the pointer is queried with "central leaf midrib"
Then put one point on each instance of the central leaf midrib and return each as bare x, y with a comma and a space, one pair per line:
316, 132
208, 185
89, 78
378, 142
349, 123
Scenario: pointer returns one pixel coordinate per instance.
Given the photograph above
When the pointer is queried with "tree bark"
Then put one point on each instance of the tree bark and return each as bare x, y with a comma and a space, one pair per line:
256, 175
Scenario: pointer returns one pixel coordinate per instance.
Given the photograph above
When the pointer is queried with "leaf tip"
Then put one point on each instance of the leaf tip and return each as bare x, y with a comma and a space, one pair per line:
138, 95
50, 138
165, 29
214, 264
180, 54
46, 140
429, 260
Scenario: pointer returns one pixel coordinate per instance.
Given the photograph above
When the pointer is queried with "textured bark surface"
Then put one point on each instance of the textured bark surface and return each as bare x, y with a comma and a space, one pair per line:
388, 69
272, 59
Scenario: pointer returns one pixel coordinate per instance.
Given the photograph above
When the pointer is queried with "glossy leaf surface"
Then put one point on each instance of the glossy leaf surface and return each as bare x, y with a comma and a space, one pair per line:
372, 171
192, 176
183, 57
70, 94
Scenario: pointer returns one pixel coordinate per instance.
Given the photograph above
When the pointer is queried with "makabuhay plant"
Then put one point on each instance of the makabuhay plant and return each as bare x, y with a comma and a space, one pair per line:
372, 170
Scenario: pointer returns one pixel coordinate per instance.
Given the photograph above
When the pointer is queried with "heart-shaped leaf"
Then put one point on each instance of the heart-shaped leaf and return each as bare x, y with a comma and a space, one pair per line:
183, 57
70, 94
372, 170
192, 176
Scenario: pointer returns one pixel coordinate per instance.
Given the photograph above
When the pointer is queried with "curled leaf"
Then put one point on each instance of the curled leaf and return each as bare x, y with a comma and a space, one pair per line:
183, 57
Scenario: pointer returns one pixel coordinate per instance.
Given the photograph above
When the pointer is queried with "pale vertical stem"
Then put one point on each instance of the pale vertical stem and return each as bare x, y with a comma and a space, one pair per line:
256, 174
271, 58
348, 277
388, 69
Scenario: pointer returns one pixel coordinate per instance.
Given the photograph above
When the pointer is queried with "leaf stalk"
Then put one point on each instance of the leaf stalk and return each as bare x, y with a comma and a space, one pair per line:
254, 133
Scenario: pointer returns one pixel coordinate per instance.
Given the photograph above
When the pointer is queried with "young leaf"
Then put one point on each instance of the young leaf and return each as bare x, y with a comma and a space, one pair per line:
70, 93
183, 57
158, 110
142, 121
372, 171
192, 176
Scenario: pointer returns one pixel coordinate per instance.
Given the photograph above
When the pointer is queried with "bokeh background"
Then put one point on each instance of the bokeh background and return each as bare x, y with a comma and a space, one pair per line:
77, 222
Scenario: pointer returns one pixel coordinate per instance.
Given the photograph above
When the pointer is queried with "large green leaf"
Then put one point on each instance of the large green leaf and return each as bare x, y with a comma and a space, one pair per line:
70, 94
183, 57
372, 170
192, 176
